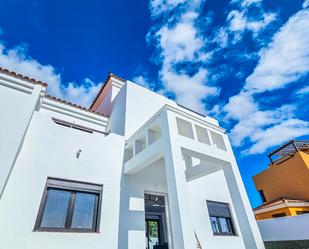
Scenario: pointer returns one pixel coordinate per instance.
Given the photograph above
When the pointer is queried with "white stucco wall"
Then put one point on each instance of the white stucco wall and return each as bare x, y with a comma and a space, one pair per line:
285, 228
132, 217
212, 187
50, 150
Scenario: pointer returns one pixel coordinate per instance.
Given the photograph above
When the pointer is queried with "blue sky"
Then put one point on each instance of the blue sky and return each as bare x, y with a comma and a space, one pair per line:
245, 62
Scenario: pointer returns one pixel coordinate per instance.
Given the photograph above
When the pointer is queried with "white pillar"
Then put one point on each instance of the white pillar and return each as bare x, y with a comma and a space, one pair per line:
181, 220
244, 213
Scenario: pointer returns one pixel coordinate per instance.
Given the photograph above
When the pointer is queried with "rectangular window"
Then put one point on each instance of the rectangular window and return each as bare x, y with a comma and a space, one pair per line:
69, 206
220, 218
302, 212
278, 215
262, 195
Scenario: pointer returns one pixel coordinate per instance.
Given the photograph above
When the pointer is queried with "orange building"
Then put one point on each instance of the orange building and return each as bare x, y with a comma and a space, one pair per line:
284, 185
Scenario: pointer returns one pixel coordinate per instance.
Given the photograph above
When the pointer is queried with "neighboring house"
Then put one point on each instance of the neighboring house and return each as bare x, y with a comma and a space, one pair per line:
284, 185
134, 171
283, 218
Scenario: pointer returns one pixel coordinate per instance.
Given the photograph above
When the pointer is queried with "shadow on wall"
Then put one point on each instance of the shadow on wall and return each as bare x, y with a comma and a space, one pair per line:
292, 244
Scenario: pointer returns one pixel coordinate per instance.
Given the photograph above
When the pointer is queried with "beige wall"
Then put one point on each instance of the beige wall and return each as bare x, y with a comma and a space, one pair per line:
289, 179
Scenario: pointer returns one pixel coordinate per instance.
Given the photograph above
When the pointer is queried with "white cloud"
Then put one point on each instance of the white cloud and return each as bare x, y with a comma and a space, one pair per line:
141, 80
241, 20
181, 42
277, 134
190, 90
303, 91
18, 60
159, 6
305, 4
286, 59
240, 106
257, 121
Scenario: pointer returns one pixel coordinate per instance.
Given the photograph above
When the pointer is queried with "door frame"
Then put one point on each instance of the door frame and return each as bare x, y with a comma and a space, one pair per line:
167, 216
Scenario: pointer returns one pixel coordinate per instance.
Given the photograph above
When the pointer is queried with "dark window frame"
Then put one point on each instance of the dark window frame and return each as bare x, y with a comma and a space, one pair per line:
262, 195
217, 217
73, 187
278, 215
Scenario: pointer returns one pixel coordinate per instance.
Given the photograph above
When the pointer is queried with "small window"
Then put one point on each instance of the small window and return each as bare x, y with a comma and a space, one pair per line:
278, 215
262, 195
220, 218
302, 212
69, 206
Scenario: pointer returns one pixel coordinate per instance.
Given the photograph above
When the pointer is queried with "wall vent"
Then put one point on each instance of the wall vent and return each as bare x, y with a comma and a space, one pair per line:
77, 126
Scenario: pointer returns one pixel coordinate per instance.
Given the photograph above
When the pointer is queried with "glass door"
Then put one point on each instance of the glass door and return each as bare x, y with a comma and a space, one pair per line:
152, 233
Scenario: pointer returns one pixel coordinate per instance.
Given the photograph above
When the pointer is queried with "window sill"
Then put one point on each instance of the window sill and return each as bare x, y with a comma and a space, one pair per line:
59, 230
225, 234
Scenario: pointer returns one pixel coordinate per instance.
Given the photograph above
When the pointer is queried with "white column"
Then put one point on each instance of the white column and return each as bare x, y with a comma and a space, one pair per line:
247, 223
181, 220
13, 127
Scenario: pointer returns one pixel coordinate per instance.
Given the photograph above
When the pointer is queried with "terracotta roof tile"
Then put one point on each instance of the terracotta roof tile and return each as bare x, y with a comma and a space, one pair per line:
34, 81
103, 86
19, 76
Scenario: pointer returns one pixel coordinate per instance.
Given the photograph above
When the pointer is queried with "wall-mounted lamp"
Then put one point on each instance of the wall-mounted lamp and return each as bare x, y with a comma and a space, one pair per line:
78, 153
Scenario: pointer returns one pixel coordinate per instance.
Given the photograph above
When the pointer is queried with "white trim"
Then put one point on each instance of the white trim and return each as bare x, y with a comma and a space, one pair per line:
66, 109
18, 84
117, 83
192, 116
282, 205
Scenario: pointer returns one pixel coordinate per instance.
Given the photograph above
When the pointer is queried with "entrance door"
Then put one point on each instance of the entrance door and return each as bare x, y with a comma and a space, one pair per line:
152, 233
155, 222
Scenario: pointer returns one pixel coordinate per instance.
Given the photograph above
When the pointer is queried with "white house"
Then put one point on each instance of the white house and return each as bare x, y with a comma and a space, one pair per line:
134, 171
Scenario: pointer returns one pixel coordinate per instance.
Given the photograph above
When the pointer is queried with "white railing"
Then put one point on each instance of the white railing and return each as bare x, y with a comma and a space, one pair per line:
148, 134
200, 133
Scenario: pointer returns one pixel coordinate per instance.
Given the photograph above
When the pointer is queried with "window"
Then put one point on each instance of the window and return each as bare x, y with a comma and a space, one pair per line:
302, 212
220, 218
278, 215
262, 195
69, 206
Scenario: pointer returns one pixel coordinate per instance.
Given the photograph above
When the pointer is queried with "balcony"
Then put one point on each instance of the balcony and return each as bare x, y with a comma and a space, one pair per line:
144, 147
202, 145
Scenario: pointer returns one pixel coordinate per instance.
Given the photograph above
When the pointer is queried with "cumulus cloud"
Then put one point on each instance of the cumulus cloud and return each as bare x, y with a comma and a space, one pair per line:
158, 7
284, 61
276, 134
17, 59
243, 19
303, 91
306, 3
179, 45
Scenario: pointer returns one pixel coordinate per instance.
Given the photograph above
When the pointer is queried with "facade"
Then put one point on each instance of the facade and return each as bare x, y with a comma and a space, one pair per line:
283, 186
134, 171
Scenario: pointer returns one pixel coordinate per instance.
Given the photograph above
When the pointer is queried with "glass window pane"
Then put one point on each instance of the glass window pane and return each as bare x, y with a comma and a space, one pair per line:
218, 209
214, 224
83, 210
225, 225
56, 207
